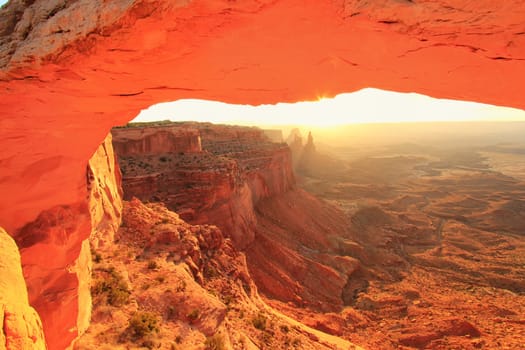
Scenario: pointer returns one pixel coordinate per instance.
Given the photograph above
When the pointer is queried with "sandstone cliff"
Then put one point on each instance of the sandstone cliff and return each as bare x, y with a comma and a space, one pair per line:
56, 254
295, 142
20, 325
238, 167
245, 184
155, 139
104, 183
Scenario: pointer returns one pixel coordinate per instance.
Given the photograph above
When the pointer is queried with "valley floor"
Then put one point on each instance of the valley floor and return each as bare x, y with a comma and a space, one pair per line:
443, 233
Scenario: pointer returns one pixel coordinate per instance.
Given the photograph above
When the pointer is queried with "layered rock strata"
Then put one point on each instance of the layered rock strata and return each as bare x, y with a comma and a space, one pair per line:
155, 139
245, 184
220, 185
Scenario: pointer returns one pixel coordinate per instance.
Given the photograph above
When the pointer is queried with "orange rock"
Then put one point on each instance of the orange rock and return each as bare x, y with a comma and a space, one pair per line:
155, 140
70, 71
21, 327
56, 255
238, 166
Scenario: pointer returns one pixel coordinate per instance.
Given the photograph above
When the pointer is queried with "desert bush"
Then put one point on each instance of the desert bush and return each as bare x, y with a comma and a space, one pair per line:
143, 324
181, 287
160, 278
193, 315
152, 265
215, 342
228, 299
171, 313
259, 321
111, 285
97, 258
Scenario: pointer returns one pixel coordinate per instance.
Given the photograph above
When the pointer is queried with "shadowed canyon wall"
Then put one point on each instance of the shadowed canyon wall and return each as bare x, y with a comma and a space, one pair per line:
55, 250
70, 70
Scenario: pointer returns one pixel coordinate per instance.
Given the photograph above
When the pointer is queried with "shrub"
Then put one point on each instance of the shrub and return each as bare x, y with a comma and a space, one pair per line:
181, 287
142, 324
259, 322
193, 315
97, 258
228, 299
284, 329
112, 286
152, 265
160, 278
171, 315
215, 342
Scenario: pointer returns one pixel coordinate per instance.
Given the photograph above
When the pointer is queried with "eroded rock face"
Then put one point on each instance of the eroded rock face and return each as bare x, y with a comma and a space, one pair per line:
20, 326
155, 140
245, 185
192, 280
56, 254
104, 181
296, 256
238, 167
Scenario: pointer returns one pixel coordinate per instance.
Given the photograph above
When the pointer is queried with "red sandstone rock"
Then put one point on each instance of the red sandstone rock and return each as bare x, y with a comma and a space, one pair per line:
237, 168
260, 176
295, 142
295, 254
71, 70
56, 255
20, 325
104, 183
104, 67
155, 140
198, 286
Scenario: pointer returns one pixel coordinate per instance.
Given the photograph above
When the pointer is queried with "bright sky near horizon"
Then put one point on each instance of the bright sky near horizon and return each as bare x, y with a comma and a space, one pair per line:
364, 106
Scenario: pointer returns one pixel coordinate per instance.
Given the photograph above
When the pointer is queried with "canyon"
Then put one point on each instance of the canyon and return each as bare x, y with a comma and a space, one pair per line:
440, 222
404, 252
245, 184
71, 70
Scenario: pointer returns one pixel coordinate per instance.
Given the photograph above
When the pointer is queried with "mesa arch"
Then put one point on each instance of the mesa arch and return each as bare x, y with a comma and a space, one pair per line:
71, 70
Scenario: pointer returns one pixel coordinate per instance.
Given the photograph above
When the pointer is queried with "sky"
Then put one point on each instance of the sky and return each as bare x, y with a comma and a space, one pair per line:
364, 106
2, 2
